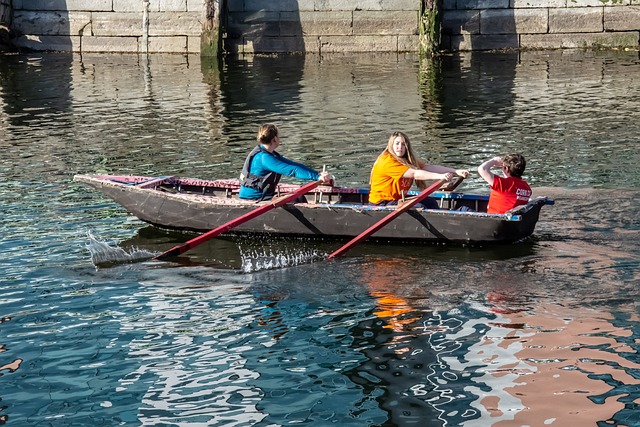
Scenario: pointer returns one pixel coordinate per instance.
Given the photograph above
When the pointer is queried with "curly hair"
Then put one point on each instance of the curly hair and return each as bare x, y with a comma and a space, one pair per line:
515, 164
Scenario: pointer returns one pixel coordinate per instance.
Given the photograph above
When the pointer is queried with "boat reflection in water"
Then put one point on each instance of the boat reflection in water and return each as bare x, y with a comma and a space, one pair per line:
495, 360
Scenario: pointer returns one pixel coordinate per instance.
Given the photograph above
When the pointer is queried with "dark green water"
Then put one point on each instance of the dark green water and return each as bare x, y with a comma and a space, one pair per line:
249, 332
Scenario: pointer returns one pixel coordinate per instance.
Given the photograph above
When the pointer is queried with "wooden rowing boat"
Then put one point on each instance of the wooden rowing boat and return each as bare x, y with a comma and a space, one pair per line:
327, 212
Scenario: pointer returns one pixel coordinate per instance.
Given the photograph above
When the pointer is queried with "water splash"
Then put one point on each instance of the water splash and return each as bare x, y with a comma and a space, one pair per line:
266, 258
103, 254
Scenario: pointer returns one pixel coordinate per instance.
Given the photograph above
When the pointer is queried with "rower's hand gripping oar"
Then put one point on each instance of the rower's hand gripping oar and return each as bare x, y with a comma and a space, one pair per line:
387, 219
236, 222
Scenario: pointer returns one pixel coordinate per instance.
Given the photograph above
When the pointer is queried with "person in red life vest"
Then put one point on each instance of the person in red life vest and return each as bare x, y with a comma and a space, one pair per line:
507, 192
396, 169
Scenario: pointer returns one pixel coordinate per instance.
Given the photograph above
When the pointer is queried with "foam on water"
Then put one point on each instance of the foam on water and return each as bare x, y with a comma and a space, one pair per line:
102, 253
266, 258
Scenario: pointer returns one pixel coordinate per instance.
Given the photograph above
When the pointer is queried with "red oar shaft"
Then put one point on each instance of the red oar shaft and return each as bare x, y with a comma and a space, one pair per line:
236, 222
387, 219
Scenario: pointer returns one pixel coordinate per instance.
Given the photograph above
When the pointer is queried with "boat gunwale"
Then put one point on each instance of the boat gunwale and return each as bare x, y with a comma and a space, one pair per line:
133, 183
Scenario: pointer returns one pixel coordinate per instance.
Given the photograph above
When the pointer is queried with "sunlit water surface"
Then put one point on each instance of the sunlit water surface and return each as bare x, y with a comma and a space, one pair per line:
264, 332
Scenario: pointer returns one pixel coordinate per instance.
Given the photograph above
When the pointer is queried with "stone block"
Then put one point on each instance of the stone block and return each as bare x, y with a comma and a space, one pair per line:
625, 18
445, 43
48, 43
52, 23
127, 6
408, 43
367, 5
318, 23
67, 5
110, 44
175, 23
576, 20
512, 21
176, 44
193, 44
483, 4
467, 42
196, 6
461, 22
449, 4
589, 3
114, 24
306, 5
232, 46
235, 6
311, 44
583, 40
167, 5
358, 44
517, 4
400, 5
385, 22
269, 45
271, 5
263, 23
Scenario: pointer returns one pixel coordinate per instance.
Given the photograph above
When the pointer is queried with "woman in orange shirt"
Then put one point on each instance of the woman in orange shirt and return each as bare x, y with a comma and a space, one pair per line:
397, 167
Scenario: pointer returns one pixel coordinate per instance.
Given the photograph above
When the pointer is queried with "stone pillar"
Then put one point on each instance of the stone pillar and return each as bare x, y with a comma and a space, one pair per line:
211, 40
145, 26
430, 26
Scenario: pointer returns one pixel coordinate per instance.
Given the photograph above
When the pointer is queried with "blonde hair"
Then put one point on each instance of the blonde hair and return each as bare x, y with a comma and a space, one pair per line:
409, 159
266, 133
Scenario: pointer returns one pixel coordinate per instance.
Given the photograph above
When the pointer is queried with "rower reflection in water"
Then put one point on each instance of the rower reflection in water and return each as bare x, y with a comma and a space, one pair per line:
404, 347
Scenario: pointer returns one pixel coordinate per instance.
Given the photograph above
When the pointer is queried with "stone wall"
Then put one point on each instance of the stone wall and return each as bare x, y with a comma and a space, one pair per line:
540, 24
174, 26
318, 26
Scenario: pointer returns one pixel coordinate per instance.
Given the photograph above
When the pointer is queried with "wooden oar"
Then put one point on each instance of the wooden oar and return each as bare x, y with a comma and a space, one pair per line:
387, 219
236, 222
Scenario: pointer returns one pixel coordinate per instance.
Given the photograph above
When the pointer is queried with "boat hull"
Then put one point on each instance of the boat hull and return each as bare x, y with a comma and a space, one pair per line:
202, 212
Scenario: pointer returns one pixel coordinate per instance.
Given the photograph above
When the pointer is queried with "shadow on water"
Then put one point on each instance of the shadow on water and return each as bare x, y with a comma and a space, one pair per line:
252, 253
241, 253
468, 83
270, 86
49, 75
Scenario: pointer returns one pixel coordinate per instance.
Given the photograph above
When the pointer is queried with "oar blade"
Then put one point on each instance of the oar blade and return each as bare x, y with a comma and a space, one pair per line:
171, 253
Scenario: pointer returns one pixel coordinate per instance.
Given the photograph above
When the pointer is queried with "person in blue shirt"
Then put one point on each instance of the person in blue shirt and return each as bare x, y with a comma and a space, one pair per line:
264, 167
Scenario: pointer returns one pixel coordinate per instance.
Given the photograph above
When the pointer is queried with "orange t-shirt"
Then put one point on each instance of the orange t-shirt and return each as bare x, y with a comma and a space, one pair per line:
387, 182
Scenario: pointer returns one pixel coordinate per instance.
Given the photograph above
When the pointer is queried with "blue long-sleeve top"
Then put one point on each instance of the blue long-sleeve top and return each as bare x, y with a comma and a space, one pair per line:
264, 162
